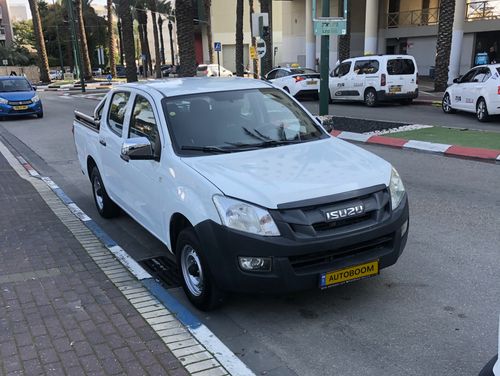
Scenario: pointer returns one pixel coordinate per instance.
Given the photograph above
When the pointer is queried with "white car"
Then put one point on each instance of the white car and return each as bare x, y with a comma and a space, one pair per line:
55, 75
212, 70
242, 185
492, 368
477, 91
373, 79
295, 80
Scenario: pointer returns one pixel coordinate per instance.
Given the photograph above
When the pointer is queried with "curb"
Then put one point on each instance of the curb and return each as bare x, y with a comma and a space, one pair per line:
184, 348
485, 155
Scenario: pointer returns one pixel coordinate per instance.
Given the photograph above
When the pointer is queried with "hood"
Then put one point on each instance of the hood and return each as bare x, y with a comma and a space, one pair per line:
272, 176
17, 95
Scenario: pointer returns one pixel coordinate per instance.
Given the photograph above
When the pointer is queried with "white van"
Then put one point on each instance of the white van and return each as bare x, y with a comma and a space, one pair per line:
373, 79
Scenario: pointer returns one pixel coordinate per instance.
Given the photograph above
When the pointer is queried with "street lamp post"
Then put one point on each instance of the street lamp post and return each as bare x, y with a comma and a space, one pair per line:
170, 27
162, 46
120, 39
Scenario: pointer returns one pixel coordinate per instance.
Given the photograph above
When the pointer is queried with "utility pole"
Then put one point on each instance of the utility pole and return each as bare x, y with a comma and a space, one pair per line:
61, 61
324, 63
120, 39
170, 27
76, 44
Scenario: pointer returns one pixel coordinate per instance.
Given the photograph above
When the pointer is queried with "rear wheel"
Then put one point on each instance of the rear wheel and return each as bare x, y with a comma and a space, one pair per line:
105, 206
197, 280
446, 104
482, 110
370, 97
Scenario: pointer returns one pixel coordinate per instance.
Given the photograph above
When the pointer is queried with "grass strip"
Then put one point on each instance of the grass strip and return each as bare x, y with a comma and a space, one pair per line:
462, 137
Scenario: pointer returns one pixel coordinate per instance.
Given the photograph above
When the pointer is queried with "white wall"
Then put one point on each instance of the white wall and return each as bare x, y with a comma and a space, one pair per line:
467, 51
423, 49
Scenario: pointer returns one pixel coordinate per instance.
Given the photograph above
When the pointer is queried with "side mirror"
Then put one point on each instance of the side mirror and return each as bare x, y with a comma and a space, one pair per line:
137, 148
327, 124
34, 88
457, 80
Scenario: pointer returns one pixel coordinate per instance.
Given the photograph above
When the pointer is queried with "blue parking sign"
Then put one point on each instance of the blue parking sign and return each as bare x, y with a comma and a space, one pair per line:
217, 46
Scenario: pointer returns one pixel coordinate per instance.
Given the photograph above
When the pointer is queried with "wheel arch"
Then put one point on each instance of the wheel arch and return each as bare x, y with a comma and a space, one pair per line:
91, 163
178, 222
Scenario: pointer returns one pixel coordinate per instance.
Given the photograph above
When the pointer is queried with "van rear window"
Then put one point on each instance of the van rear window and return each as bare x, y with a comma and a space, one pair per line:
400, 66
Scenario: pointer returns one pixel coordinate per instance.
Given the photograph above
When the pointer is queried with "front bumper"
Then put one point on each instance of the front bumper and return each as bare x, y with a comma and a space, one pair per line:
384, 96
33, 109
222, 246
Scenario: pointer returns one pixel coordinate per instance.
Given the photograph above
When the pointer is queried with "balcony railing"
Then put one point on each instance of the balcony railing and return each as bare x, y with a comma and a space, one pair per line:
420, 17
483, 10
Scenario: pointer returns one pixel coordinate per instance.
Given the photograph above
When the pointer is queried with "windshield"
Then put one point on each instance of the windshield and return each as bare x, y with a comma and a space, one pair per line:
14, 85
231, 121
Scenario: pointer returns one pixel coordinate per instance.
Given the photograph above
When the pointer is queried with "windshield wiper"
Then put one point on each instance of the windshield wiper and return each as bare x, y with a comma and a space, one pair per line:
207, 149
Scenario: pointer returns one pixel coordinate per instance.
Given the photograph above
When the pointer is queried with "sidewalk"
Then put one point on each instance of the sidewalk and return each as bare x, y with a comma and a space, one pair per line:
59, 313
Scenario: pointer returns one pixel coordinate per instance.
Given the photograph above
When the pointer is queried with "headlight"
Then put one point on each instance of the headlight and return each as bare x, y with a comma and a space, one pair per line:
397, 189
3, 101
35, 99
245, 217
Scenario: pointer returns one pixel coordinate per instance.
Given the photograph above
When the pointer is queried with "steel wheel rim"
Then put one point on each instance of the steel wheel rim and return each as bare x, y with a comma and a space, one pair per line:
481, 110
370, 98
192, 270
446, 103
99, 200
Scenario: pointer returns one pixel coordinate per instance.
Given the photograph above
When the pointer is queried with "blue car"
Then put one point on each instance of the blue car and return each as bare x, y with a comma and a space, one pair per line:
18, 97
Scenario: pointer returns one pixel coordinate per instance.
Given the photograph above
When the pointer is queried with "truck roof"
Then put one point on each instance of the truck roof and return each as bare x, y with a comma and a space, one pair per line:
192, 85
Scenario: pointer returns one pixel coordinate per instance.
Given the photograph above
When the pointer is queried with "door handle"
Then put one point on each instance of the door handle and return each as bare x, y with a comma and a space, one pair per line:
102, 141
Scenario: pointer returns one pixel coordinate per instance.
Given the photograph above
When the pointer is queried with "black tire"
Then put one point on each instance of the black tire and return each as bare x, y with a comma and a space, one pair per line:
330, 100
446, 104
371, 97
39, 115
201, 291
488, 368
482, 111
105, 206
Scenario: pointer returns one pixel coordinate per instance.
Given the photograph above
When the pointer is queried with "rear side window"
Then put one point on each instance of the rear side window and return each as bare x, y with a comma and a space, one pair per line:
366, 66
400, 66
117, 109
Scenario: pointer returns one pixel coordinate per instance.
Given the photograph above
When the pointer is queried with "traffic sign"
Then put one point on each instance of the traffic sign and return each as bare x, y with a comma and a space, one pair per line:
330, 26
253, 53
261, 48
217, 47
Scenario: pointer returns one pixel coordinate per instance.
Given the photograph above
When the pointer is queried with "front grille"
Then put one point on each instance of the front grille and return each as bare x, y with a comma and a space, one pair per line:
329, 257
325, 226
20, 103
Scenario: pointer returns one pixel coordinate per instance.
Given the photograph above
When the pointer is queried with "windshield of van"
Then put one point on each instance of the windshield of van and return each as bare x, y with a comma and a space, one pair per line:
231, 121
400, 66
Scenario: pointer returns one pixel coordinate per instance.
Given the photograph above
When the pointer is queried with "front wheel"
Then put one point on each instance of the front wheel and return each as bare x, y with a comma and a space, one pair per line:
446, 104
197, 280
370, 97
482, 111
105, 206
39, 115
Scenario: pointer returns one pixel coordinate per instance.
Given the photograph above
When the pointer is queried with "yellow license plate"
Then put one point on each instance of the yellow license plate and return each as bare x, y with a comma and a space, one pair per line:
353, 273
18, 108
395, 89
312, 82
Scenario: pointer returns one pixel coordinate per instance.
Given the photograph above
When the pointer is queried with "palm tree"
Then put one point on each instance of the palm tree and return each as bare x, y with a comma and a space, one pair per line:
443, 47
239, 38
344, 41
254, 42
142, 19
266, 64
127, 26
87, 68
164, 8
184, 16
152, 7
111, 39
40, 42
208, 13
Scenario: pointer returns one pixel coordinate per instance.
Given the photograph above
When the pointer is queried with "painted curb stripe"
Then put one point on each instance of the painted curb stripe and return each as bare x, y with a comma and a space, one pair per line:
388, 141
100, 234
130, 263
473, 152
427, 146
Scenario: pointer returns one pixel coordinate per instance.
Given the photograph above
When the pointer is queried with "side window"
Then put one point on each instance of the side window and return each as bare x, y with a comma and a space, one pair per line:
281, 73
117, 109
343, 69
482, 75
467, 77
143, 123
400, 66
271, 75
366, 66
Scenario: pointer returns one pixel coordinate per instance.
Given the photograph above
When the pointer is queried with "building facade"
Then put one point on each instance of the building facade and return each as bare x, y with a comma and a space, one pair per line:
5, 24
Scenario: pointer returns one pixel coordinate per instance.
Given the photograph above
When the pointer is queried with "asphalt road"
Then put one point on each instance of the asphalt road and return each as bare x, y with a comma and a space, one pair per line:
433, 313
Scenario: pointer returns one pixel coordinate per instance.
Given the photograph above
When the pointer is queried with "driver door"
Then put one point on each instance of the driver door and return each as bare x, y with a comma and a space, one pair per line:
340, 81
462, 89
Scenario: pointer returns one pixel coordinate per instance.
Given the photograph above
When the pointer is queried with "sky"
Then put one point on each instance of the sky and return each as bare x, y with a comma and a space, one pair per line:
25, 2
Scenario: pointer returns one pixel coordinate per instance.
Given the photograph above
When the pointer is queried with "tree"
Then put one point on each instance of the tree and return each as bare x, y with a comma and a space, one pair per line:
24, 34
344, 41
184, 16
254, 42
82, 36
266, 6
123, 8
208, 13
40, 42
164, 8
239, 38
142, 19
111, 39
152, 7
443, 47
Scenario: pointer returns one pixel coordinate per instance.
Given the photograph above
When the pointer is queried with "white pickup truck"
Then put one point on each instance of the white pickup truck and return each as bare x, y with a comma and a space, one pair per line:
243, 185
